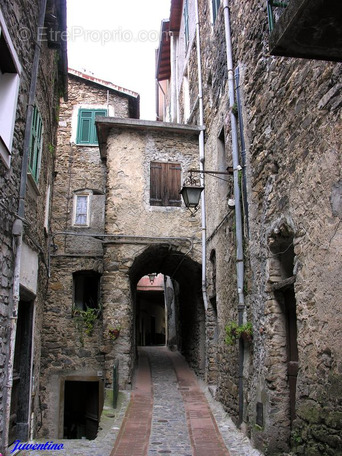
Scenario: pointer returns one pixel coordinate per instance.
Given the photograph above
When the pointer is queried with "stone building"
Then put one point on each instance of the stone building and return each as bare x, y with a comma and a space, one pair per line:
32, 79
272, 220
117, 217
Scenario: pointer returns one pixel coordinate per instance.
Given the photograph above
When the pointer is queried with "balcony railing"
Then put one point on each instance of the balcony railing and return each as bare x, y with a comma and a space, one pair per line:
274, 10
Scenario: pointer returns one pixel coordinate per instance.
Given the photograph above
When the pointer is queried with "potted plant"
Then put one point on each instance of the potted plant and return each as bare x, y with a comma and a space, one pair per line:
114, 333
235, 331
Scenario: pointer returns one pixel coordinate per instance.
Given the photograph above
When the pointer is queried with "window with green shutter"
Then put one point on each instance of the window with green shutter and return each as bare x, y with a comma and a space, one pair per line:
186, 23
215, 5
35, 144
86, 130
165, 184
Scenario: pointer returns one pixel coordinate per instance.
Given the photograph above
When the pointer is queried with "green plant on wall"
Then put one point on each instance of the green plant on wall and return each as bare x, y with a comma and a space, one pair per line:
85, 320
235, 331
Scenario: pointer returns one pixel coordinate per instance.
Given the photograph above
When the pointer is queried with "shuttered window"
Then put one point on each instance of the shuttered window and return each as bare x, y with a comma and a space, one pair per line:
186, 23
165, 184
35, 144
81, 209
86, 130
215, 5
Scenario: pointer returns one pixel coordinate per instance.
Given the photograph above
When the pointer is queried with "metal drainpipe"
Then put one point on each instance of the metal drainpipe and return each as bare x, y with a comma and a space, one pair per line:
238, 214
202, 161
17, 231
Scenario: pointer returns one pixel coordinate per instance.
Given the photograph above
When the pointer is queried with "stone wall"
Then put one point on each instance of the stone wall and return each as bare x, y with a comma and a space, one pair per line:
149, 238
292, 130
69, 348
21, 16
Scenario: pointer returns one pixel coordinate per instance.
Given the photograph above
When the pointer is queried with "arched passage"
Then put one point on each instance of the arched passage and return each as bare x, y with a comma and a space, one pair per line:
182, 295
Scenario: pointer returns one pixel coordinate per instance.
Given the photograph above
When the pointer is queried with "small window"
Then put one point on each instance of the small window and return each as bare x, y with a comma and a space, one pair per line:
81, 206
9, 86
86, 290
215, 8
86, 129
186, 23
35, 144
165, 184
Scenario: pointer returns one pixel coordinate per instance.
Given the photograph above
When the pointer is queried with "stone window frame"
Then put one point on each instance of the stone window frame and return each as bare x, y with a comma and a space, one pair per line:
186, 23
163, 186
77, 194
94, 112
10, 71
215, 5
36, 145
85, 281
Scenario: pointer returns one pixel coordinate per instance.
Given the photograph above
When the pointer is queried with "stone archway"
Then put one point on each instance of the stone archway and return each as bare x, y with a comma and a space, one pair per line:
185, 309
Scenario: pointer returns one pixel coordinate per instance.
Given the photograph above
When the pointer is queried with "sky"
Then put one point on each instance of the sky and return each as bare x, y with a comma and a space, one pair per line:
116, 41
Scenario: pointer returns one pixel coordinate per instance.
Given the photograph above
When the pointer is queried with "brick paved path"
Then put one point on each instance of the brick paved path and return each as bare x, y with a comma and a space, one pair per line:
168, 413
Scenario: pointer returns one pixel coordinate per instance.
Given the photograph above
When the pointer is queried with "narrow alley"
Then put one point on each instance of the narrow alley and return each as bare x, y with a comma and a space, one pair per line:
169, 411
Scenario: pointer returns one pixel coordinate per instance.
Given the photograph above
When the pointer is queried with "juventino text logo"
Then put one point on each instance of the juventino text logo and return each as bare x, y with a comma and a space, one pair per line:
36, 446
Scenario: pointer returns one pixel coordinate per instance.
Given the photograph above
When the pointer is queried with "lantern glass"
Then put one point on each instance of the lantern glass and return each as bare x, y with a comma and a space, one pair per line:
191, 195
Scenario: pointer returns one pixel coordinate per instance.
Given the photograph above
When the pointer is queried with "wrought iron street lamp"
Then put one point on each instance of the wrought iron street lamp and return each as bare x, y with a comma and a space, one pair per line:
191, 193
192, 189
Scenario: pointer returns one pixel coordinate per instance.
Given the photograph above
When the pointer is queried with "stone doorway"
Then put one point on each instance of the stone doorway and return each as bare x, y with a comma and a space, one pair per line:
20, 398
82, 407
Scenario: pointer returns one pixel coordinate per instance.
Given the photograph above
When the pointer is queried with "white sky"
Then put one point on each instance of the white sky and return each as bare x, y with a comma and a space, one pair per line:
116, 40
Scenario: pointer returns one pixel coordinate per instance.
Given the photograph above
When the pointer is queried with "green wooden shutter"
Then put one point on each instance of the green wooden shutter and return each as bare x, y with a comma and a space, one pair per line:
216, 5
186, 23
86, 130
99, 112
35, 144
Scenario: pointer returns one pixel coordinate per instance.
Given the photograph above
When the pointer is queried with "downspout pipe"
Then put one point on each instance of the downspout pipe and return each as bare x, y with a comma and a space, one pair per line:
17, 230
202, 159
237, 195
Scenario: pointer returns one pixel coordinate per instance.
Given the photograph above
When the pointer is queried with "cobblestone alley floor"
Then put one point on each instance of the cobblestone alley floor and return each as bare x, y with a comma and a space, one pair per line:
168, 412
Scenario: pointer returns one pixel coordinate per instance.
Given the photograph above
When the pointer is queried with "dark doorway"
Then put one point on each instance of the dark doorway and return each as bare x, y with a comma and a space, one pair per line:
82, 409
289, 309
20, 398
151, 321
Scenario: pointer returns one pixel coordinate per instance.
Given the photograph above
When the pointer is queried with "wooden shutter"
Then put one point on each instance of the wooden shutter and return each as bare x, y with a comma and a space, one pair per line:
35, 143
165, 183
156, 184
173, 184
86, 130
99, 112
85, 119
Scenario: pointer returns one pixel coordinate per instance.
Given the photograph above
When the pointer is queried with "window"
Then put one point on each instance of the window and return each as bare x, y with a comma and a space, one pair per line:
81, 210
86, 290
215, 6
35, 144
165, 184
9, 86
86, 130
186, 23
